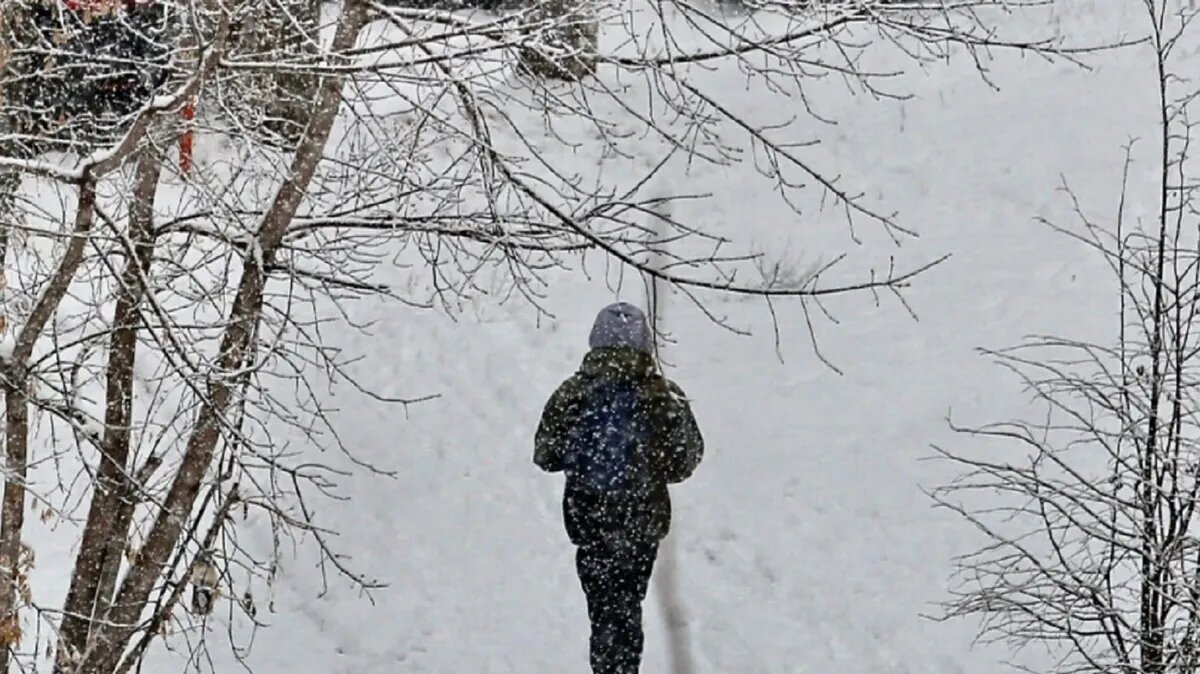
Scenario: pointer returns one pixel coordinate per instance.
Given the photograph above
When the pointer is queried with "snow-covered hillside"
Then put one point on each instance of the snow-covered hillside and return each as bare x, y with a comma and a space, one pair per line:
806, 543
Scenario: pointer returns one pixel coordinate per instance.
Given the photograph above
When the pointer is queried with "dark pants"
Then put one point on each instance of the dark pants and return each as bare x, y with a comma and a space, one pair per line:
615, 577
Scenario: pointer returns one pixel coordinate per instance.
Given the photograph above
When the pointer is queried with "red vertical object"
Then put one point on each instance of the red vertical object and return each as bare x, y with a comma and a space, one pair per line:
185, 142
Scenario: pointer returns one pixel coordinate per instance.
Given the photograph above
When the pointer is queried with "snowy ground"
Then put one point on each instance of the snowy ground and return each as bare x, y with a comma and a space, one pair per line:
806, 544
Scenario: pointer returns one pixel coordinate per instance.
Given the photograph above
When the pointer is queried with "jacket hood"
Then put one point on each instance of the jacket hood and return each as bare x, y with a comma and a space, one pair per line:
617, 362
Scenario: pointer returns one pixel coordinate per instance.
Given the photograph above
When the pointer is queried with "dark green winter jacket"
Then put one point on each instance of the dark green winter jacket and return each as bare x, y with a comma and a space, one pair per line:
675, 449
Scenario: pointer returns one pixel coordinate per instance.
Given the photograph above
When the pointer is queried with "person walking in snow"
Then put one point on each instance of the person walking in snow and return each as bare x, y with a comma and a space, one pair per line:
621, 432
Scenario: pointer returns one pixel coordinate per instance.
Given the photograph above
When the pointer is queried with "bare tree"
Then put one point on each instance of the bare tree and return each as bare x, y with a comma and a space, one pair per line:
164, 328
1089, 510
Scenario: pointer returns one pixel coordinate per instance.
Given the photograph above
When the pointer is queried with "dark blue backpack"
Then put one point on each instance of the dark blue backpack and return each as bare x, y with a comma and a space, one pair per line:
606, 448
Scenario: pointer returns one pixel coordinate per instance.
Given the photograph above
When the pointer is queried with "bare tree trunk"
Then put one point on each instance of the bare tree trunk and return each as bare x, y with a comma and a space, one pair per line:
15, 406
16, 425
120, 623
123, 352
105, 535
16, 383
666, 581
679, 642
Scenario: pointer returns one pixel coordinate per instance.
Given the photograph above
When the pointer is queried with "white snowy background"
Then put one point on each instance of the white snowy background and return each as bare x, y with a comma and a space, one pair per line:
806, 543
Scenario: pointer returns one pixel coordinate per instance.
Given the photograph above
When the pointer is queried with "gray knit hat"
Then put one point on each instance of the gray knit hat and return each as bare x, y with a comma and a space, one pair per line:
621, 324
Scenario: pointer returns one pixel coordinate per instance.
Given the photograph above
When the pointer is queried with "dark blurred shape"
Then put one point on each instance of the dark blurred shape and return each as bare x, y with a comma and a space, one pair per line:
271, 105
79, 70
